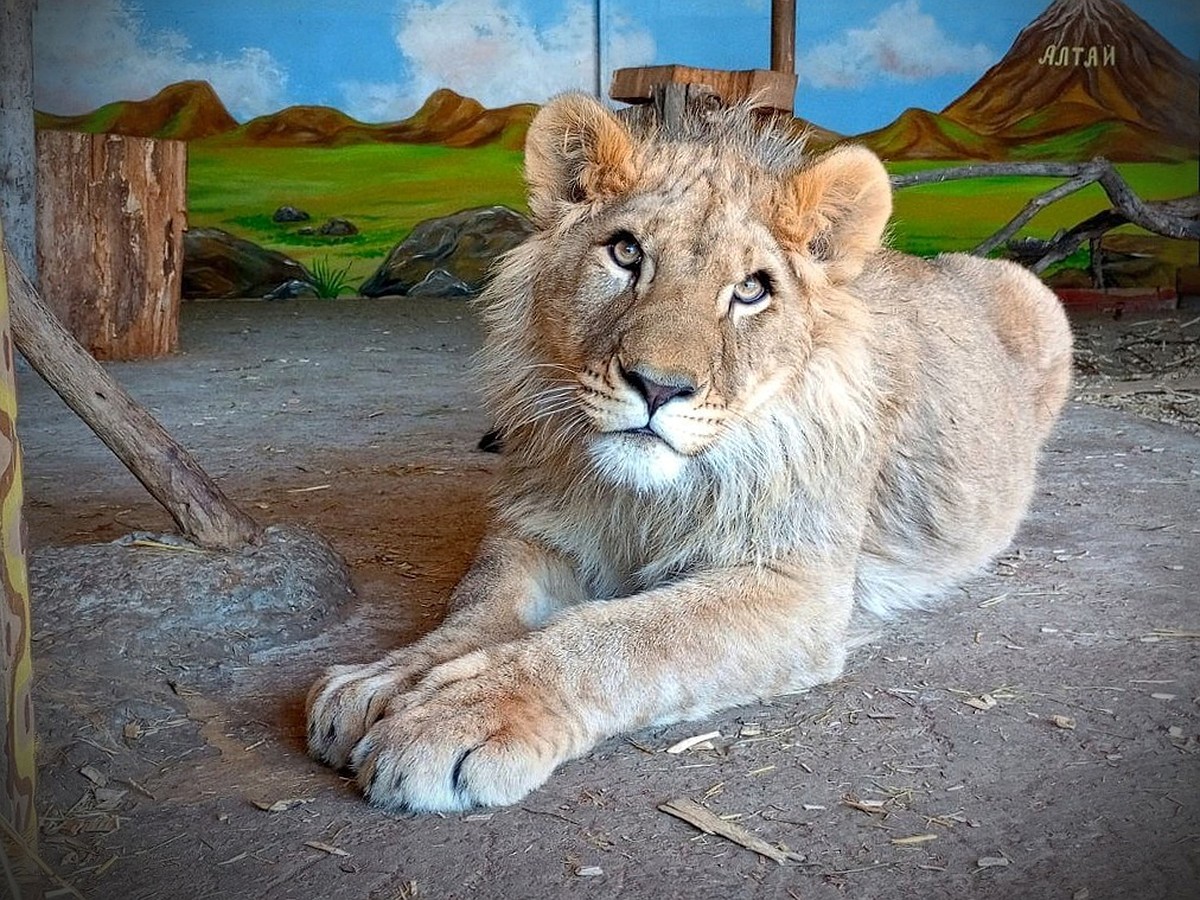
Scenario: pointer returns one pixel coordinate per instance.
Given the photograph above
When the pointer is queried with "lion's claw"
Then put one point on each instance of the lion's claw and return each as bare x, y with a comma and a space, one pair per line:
344, 704
483, 740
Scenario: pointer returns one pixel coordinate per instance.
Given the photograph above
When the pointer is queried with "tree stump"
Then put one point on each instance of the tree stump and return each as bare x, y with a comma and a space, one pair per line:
110, 217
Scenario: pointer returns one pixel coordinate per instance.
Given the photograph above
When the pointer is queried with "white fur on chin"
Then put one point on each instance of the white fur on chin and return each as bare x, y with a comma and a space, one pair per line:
639, 462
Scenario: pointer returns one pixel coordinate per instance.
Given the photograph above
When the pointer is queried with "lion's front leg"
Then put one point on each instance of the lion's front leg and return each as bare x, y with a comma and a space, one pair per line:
512, 587
489, 727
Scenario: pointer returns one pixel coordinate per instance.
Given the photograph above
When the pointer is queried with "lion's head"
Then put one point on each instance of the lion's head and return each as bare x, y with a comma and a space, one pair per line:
679, 287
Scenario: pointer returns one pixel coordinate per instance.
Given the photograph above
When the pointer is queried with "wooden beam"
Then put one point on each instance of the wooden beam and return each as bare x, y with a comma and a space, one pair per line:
762, 87
17, 167
203, 513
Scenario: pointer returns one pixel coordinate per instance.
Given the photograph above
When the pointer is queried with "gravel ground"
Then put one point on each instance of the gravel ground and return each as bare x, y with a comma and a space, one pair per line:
1148, 365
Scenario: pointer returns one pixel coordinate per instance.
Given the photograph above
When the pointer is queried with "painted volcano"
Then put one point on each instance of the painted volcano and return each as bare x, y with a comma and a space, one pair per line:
1086, 78
1089, 64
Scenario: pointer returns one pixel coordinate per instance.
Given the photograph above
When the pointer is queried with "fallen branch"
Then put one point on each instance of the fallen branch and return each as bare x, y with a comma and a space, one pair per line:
1039, 255
1035, 206
1130, 388
202, 512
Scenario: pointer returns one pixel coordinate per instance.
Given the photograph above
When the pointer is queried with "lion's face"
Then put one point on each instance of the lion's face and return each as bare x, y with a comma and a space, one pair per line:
679, 285
678, 316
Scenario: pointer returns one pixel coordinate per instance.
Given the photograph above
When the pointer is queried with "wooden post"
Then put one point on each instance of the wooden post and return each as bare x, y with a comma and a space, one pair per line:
202, 512
111, 212
783, 36
17, 171
18, 771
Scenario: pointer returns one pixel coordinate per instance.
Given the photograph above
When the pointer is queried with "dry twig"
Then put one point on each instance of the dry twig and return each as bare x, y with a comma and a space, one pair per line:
710, 823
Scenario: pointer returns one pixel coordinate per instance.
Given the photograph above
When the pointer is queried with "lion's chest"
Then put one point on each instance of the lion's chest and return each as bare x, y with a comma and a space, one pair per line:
617, 550
620, 542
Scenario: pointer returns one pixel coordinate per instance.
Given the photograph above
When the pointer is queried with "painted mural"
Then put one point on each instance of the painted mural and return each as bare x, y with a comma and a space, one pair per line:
327, 132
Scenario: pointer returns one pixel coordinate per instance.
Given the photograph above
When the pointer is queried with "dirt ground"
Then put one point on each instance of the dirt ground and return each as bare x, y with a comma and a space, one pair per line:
1036, 737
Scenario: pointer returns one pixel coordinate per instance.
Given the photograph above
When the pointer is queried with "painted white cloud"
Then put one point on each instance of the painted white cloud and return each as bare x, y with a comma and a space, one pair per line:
902, 42
91, 52
493, 51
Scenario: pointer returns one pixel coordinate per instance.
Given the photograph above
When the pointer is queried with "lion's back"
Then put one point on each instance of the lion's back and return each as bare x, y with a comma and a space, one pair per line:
1027, 320
980, 361
978, 326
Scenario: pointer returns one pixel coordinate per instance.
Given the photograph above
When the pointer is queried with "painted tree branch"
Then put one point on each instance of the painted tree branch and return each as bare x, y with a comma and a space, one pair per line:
1039, 255
988, 170
1170, 219
202, 512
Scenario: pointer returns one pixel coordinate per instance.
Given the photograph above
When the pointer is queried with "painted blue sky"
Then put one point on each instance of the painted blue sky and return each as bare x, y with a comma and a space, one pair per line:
861, 62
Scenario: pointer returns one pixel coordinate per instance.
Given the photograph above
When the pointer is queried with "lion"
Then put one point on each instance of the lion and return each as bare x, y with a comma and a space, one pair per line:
732, 417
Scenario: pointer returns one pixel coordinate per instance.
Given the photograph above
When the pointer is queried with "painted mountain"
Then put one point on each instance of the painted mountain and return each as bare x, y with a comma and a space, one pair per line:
445, 118
185, 111
191, 110
1086, 78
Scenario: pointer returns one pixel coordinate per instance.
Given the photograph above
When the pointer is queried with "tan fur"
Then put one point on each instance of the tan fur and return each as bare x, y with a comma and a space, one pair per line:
866, 434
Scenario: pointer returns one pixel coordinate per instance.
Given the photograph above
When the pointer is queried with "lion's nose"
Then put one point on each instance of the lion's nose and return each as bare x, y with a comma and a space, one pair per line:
656, 388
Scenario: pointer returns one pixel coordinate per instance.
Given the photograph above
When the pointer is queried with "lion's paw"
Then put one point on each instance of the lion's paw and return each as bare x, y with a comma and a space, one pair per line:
347, 700
473, 733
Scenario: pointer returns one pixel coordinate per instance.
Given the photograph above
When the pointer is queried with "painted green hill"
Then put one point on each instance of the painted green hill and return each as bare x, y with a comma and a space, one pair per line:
919, 134
1114, 139
456, 121
445, 118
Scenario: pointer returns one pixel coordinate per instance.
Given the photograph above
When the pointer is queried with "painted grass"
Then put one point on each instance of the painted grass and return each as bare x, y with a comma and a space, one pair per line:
386, 189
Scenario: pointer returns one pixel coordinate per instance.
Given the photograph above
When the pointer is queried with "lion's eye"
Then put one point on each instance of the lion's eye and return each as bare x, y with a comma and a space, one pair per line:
751, 289
625, 251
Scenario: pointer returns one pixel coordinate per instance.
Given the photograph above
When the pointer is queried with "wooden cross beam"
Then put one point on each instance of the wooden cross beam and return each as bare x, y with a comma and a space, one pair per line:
771, 89
761, 87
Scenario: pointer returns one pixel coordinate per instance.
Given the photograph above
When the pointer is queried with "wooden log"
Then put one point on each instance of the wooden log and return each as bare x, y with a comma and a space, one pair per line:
762, 87
18, 771
783, 36
202, 512
111, 215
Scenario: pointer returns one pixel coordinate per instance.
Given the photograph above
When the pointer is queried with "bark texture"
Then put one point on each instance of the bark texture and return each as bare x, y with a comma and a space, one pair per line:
111, 215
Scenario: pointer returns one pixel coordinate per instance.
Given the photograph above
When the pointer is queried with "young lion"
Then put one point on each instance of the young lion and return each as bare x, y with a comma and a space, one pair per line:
729, 415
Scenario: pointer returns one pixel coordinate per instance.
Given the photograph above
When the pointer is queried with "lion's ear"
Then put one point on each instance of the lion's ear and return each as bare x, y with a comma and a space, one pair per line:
835, 211
576, 151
